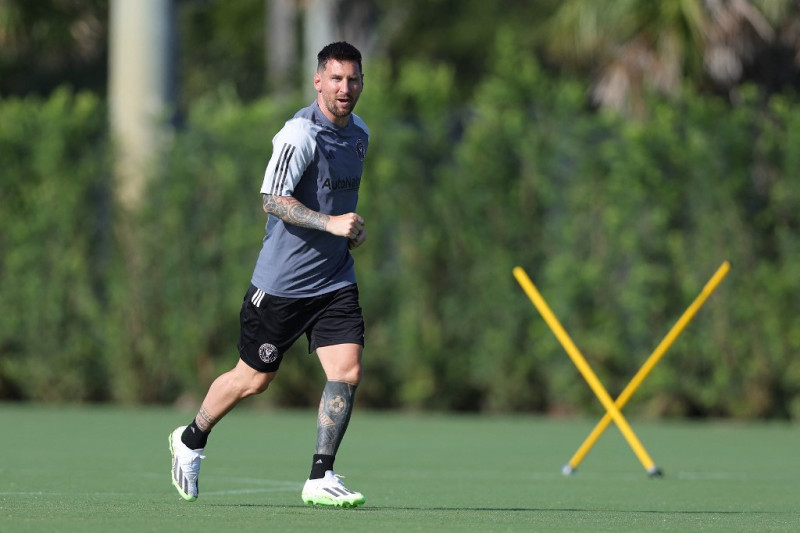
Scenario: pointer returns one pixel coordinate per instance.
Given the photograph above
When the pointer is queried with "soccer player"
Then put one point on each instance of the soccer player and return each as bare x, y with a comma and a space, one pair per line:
303, 281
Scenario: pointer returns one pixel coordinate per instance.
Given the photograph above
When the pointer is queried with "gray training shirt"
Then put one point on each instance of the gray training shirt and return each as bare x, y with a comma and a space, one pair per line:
320, 164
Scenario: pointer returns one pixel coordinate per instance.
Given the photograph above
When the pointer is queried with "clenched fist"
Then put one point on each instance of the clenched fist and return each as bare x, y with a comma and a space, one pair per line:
349, 225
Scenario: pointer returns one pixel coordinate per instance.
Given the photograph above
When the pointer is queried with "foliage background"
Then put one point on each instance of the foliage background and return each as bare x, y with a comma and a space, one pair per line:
619, 222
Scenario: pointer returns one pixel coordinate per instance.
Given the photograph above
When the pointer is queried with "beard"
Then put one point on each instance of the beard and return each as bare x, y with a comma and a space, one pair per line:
337, 109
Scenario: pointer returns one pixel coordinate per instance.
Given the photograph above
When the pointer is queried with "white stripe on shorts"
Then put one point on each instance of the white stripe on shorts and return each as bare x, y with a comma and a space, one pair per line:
258, 296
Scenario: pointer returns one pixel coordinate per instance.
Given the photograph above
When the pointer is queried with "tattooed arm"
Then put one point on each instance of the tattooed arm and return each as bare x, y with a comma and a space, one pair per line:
291, 211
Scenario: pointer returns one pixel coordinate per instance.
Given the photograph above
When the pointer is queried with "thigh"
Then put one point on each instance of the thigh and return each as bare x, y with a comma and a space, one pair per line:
339, 322
269, 325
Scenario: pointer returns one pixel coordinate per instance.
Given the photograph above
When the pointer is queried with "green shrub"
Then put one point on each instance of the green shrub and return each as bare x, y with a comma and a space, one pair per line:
54, 246
619, 223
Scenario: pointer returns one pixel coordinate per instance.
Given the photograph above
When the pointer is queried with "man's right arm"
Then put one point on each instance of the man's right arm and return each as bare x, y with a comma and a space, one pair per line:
292, 211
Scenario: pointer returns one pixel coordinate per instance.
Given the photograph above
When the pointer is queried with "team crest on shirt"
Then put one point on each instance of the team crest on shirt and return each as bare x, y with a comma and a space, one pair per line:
268, 352
361, 150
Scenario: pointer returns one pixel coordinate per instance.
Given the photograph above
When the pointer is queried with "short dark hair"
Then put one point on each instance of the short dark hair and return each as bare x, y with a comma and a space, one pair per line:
340, 51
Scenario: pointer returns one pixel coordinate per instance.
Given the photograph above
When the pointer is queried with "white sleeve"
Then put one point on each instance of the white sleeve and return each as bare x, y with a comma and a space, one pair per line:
292, 151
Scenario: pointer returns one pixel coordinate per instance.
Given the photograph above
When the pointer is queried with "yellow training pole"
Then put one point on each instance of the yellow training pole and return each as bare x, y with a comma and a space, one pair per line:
648, 366
586, 371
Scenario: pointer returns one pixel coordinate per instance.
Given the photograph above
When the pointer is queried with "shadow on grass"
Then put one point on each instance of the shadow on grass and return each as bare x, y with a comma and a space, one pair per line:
502, 510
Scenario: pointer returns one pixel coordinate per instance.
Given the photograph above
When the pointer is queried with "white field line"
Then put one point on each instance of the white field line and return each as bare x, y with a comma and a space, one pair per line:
714, 476
266, 485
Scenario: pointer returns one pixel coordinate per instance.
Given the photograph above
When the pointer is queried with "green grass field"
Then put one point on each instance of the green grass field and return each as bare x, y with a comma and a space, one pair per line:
107, 469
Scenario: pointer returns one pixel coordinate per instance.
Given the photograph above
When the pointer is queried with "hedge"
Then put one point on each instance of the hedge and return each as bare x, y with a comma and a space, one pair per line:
619, 223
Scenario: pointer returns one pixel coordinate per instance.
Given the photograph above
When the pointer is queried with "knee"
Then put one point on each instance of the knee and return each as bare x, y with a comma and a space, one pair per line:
341, 362
352, 375
249, 382
258, 383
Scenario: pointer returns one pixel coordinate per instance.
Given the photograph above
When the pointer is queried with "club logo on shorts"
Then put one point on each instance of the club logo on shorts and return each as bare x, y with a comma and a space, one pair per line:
336, 405
268, 352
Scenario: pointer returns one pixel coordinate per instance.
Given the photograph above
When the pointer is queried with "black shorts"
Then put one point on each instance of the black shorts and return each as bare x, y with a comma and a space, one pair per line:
269, 325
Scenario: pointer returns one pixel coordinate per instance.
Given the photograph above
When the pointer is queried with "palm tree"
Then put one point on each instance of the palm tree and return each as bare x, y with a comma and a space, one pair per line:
46, 43
631, 46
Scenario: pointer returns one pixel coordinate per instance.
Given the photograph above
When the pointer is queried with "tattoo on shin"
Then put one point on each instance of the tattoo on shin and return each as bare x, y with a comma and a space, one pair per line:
335, 409
204, 420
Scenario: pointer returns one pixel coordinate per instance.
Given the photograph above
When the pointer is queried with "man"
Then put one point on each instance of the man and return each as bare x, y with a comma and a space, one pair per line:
304, 281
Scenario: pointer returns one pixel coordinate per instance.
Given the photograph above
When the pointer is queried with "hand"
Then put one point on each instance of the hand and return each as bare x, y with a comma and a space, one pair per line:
357, 241
349, 225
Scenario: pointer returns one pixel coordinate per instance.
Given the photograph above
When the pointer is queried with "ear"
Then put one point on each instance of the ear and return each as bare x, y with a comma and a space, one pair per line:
317, 81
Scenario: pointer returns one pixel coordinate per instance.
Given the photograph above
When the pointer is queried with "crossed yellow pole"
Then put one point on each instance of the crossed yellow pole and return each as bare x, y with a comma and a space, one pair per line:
613, 408
648, 366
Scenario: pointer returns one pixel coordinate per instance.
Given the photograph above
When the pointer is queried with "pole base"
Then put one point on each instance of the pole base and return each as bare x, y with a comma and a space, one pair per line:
655, 472
567, 470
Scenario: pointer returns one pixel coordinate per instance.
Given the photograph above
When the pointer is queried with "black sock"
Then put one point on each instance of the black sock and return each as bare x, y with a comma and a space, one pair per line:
320, 464
193, 437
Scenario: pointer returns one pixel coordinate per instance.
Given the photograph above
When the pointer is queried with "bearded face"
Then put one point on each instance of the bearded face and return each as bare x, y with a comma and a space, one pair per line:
338, 86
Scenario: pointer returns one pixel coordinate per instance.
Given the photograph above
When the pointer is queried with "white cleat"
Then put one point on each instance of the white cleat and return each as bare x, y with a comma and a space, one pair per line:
331, 492
185, 466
